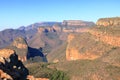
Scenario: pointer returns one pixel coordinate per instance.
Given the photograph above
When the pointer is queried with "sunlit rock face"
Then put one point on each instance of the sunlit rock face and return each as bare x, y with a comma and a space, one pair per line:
106, 38
115, 21
5, 54
77, 48
21, 47
30, 77
10, 67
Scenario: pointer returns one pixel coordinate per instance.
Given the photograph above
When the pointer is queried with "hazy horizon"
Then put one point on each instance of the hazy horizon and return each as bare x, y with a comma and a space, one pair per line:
16, 13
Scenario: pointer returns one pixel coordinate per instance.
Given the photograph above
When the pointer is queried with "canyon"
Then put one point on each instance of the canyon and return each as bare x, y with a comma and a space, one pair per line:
82, 49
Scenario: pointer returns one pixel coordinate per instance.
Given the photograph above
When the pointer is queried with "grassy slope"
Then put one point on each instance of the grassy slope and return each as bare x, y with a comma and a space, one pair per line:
41, 70
58, 53
89, 70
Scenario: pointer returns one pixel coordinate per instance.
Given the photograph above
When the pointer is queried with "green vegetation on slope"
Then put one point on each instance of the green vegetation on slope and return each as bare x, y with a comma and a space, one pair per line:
89, 70
58, 54
42, 70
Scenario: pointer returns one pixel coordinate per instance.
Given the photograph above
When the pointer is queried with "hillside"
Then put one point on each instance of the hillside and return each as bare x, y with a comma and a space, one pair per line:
73, 52
93, 43
93, 54
89, 70
28, 32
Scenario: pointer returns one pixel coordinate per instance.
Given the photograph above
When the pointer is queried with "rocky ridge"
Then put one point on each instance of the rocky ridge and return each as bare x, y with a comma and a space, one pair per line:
95, 42
76, 23
115, 21
21, 48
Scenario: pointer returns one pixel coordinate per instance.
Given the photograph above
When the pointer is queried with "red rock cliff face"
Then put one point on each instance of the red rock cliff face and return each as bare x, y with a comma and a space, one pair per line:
106, 38
21, 48
95, 42
75, 47
115, 21
73, 51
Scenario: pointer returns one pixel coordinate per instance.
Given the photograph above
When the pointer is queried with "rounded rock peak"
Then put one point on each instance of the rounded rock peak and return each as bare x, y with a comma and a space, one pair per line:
19, 43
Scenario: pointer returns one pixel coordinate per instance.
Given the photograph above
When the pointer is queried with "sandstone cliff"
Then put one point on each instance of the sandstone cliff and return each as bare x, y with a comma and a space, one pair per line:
21, 48
115, 21
10, 67
95, 42
85, 46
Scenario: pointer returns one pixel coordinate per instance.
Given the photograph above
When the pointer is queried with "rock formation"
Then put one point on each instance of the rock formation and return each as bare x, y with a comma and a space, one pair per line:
10, 67
21, 48
106, 38
115, 21
77, 23
83, 46
95, 42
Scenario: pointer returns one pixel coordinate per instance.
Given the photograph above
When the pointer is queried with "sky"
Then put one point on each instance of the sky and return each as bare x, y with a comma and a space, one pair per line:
16, 13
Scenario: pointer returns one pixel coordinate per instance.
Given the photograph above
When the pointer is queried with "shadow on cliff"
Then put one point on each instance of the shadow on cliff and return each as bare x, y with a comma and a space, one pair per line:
14, 68
36, 55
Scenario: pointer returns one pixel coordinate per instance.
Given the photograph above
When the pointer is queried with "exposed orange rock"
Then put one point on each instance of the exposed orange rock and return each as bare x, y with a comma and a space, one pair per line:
21, 48
29, 77
10, 67
115, 21
23, 58
44, 29
74, 54
5, 76
106, 38
70, 38
40, 30
5, 53
57, 28
19, 45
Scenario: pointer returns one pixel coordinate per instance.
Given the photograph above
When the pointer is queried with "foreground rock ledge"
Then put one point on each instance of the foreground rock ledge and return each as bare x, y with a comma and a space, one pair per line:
13, 69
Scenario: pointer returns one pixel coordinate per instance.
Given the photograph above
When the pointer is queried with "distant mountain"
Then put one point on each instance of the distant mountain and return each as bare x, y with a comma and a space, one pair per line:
28, 32
36, 25
77, 23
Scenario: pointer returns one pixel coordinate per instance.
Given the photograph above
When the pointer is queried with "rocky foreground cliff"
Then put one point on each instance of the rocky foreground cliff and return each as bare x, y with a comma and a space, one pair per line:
11, 68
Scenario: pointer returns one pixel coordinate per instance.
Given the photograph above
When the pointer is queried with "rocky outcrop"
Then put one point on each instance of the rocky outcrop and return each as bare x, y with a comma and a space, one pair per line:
115, 21
106, 38
20, 43
74, 54
21, 48
57, 27
10, 67
85, 46
77, 23
33, 78
45, 29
